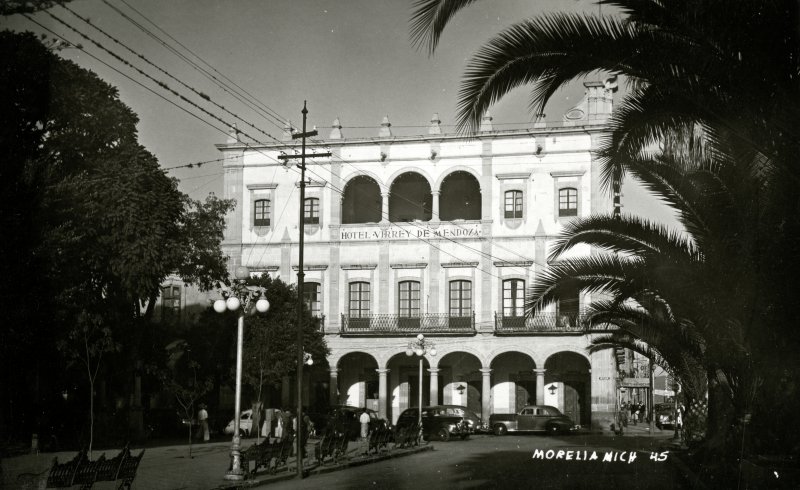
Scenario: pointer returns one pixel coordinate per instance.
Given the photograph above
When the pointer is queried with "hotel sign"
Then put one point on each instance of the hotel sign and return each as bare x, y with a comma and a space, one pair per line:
635, 383
410, 231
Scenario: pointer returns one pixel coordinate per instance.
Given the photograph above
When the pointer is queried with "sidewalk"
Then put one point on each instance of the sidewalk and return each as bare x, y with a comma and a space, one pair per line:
169, 468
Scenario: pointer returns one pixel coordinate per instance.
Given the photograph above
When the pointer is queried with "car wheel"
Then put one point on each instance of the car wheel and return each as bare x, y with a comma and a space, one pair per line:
500, 430
443, 435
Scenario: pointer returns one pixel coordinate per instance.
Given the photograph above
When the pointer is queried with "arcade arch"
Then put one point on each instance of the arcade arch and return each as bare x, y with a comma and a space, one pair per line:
568, 385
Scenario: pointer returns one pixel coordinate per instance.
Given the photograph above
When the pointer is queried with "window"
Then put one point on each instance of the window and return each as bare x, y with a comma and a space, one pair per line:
312, 295
568, 202
460, 298
311, 211
359, 299
513, 298
261, 210
569, 304
513, 204
408, 296
170, 303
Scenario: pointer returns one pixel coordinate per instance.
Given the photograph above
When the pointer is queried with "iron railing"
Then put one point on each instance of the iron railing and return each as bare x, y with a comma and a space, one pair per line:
389, 325
541, 324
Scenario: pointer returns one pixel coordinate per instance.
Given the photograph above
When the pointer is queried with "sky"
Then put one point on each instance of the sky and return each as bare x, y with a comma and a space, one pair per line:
350, 59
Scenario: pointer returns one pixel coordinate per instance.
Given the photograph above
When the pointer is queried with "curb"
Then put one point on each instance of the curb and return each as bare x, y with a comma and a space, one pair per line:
320, 470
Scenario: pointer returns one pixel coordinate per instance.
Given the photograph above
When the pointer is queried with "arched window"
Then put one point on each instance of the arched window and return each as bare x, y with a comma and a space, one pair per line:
261, 209
568, 201
312, 295
311, 211
410, 198
513, 204
408, 304
513, 298
460, 197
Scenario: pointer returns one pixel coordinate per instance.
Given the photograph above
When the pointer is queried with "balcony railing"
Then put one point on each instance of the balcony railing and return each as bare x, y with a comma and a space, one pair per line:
541, 324
396, 325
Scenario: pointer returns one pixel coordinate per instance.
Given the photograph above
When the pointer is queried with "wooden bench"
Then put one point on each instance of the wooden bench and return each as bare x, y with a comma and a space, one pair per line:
266, 455
333, 445
379, 439
407, 436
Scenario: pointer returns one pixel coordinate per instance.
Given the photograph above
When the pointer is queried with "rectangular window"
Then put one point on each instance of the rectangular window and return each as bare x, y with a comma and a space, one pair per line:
568, 202
460, 298
513, 298
261, 212
513, 204
359, 299
311, 211
170, 303
408, 299
312, 293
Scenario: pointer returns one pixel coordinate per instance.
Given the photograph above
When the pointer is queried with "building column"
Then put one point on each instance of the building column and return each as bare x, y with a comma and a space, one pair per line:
435, 204
382, 392
434, 386
539, 386
333, 387
384, 206
486, 394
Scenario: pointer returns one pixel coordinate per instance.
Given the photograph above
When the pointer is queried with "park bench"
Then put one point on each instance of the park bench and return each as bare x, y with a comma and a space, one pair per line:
379, 439
81, 471
269, 456
333, 445
62, 475
407, 436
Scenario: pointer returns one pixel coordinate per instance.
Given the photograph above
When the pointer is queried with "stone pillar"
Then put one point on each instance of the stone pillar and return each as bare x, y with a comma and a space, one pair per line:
434, 386
382, 392
486, 394
435, 211
385, 206
539, 386
333, 387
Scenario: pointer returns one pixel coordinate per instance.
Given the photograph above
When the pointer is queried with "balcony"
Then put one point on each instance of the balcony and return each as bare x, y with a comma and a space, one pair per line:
541, 324
385, 325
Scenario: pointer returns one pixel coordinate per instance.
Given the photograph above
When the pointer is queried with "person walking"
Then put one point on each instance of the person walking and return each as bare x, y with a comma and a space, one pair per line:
202, 417
364, 419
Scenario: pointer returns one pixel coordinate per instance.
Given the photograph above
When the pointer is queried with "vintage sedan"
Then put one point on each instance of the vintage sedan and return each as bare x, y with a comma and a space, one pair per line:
438, 422
534, 418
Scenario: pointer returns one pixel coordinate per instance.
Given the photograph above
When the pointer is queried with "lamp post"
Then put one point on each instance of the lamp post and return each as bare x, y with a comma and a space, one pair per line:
420, 347
240, 297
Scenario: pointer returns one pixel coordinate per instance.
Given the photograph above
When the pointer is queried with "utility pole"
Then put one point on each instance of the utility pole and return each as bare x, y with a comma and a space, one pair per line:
300, 279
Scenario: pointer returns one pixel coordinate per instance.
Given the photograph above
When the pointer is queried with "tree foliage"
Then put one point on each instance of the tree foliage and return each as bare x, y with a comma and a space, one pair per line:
95, 224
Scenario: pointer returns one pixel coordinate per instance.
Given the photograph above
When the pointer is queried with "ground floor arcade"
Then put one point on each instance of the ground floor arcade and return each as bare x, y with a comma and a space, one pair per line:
486, 373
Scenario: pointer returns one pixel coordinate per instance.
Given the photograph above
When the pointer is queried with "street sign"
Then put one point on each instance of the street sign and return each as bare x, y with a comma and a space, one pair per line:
635, 382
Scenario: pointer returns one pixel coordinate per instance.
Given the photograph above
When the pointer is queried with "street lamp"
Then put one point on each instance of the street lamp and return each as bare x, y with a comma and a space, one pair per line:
242, 298
420, 347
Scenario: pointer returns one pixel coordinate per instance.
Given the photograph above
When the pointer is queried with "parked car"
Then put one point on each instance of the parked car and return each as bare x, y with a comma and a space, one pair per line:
347, 417
438, 422
473, 420
665, 416
533, 418
245, 424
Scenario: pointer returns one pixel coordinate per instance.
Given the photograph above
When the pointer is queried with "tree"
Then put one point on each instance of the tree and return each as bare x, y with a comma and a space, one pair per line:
11, 7
97, 224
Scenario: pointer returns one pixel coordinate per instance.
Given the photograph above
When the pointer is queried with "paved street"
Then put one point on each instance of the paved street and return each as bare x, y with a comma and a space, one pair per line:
483, 461
507, 462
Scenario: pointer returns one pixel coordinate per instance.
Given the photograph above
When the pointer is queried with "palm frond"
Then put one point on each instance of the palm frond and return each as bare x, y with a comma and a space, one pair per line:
429, 19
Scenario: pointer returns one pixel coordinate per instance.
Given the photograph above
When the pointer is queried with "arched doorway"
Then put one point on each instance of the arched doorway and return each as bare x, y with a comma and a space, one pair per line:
568, 385
460, 381
404, 384
513, 382
361, 201
410, 198
358, 381
460, 197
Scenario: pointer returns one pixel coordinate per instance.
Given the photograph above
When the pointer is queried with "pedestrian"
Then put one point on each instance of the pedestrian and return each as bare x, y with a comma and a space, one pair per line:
364, 419
202, 417
278, 432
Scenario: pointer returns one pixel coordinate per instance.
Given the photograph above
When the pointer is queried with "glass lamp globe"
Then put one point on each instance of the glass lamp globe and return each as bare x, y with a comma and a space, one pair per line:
310, 361
409, 352
419, 351
433, 351
233, 303
262, 305
420, 337
219, 306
